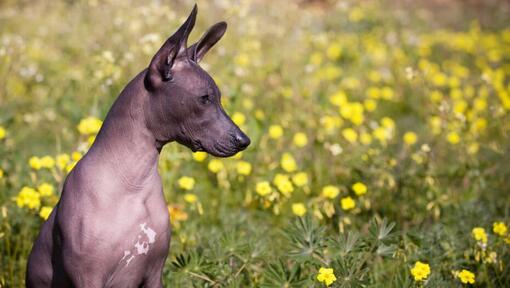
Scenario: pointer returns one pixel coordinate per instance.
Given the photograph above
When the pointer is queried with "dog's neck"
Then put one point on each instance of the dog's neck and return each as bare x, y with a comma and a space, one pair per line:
124, 142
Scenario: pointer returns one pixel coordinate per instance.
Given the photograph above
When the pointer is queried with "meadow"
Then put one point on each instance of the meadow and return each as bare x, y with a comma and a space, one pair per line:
380, 137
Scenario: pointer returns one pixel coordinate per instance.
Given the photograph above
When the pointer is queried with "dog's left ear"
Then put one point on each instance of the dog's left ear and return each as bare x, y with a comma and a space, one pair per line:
211, 37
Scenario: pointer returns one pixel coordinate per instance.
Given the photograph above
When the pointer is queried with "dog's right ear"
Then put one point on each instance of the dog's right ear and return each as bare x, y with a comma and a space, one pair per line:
160, 68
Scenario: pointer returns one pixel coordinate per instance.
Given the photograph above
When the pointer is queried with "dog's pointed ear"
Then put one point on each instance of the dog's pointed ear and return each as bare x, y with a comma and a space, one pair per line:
211, 37
160, 68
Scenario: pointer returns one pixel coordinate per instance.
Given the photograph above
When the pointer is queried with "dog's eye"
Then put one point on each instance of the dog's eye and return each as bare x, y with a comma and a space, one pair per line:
205, 99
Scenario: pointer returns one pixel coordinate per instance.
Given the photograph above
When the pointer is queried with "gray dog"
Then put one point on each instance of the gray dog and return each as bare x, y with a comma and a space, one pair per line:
111, 226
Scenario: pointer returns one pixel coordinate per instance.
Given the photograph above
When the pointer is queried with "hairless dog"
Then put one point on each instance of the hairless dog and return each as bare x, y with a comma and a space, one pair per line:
111, 226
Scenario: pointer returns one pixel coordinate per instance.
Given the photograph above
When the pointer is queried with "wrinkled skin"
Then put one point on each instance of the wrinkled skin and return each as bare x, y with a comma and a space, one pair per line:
111, 226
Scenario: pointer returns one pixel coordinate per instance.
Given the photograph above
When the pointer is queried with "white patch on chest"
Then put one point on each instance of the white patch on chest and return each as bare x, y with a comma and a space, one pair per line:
149, 232
141, 246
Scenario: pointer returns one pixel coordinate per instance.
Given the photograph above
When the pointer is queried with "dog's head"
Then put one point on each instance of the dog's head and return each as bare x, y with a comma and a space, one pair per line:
185, 102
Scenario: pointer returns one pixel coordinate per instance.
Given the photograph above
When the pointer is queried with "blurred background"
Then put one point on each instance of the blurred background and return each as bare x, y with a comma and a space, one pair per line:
380, 136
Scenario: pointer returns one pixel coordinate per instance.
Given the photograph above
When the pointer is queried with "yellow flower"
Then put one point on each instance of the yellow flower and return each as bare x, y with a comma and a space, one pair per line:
347, 203
70, 166
190, 198
243, 168
47, 162
186, 183
3, 133
238, 118
466, 277
420, 271
330, 191
298, 209
76, 156
62, 161
45, 212
89, 125
35, 163
283, 183
288, 163
453, 138
300, 179
326, 276
46, 189
275, 131
199, 156
479, 234
263, 188
370, 104
1, 173
499, 228
350, 135
28, 197
300, 139
338, 99
359, 188
215, 165
334, 51
410, 138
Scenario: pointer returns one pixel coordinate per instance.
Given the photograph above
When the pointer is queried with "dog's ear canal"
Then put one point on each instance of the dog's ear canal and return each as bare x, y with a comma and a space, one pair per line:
211, 37
160, 68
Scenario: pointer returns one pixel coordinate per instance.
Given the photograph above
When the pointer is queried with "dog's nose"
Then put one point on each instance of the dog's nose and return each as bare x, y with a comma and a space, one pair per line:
242, 140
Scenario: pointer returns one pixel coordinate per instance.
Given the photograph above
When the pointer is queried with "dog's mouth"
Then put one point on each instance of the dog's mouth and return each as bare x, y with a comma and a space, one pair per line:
216, 149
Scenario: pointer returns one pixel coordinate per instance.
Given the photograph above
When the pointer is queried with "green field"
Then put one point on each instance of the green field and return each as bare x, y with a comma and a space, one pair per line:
380, 137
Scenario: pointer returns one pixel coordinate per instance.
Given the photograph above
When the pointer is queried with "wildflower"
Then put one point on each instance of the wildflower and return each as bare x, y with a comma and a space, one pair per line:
244, 168
70, 166
176, 215
263, 188
420, 271
466, 277
238, 118
199, 156
186, 183
283, 184
45, 189
190, 198
350, 135
334, 51
479, 234
300, 179
47, 162
76, 156
215, 165
3, 133
347, 203
275, 131
45, 212
359, 188
338, 99
35, 163
326, 276
62, 161
28, 197
1, 173
365, 138
330, 191
410, 138
288, 163
499, 228
370, 104
300, 139
89, 125
453, 138
298, 209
